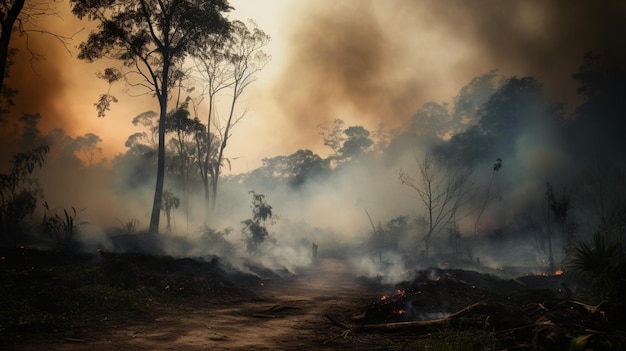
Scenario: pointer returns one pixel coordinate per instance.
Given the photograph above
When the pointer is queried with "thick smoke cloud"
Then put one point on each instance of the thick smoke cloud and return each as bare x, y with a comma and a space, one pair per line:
377, 62
51, 81
40, 86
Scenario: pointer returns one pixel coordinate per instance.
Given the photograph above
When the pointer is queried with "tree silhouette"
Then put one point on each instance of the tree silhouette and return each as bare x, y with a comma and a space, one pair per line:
294, 169
517, 103
441, 190
151, 38
357, 141
232, 68
332, 134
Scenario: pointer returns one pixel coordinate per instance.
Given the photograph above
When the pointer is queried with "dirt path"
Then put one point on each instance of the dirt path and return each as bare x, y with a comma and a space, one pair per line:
283, 315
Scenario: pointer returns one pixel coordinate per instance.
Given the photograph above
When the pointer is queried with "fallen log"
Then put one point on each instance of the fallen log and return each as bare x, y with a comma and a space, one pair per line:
489, 308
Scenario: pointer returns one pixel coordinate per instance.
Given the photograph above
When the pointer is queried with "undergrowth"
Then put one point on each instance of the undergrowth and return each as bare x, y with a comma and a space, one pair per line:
53, 291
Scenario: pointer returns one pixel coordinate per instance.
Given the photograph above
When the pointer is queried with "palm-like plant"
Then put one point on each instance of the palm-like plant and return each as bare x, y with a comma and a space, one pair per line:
600, 264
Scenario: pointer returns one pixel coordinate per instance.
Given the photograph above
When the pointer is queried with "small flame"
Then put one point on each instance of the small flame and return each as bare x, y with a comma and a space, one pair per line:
558, 272
402, 293
383, 298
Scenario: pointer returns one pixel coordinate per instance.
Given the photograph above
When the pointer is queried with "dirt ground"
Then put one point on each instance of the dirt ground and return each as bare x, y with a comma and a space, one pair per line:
286, 314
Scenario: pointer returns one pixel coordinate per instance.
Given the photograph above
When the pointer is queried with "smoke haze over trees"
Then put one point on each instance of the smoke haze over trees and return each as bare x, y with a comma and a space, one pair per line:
356, 110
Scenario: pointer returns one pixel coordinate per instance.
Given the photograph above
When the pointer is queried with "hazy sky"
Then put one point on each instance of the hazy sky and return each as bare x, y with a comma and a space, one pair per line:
367, 62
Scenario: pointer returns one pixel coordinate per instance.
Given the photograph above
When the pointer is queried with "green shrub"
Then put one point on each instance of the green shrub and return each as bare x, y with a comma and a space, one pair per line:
600, 265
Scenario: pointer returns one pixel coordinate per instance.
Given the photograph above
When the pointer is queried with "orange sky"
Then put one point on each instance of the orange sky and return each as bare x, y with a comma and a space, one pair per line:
367, 62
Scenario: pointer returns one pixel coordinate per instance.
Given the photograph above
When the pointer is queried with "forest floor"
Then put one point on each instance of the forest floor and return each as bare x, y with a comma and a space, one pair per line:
202, 306
276, 314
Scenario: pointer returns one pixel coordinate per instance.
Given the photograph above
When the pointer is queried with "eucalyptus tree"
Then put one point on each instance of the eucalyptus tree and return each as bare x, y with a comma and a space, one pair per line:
152, 39
229, 70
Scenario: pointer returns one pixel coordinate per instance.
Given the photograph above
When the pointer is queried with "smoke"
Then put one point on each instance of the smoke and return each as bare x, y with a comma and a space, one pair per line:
370, 62
51, 81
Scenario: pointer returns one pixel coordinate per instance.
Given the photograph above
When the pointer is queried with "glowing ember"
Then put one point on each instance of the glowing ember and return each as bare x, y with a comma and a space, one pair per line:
559, 272
402, 293
399, 312
383, 298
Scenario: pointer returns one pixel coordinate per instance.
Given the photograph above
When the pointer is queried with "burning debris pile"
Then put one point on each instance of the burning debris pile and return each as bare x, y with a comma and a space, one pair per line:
535, 308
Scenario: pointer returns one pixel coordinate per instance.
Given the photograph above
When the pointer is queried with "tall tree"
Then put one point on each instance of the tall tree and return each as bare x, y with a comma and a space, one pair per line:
233, 68
151, 38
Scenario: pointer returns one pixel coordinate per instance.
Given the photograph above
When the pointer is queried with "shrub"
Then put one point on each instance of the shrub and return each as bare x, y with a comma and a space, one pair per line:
600, 265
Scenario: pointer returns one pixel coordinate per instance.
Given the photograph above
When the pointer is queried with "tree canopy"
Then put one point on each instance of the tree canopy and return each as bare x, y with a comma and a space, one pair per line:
152, 39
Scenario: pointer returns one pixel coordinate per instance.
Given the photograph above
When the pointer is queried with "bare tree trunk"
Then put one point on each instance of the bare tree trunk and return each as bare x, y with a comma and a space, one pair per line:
158, 191
5, 36
220, 157
210, 208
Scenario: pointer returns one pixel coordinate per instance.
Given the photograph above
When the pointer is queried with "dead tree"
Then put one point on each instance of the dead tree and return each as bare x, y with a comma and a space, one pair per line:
441, 190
